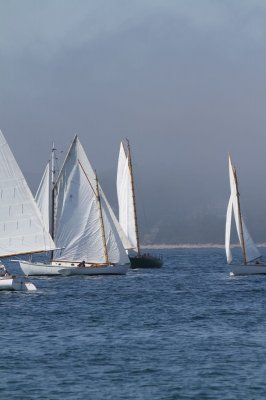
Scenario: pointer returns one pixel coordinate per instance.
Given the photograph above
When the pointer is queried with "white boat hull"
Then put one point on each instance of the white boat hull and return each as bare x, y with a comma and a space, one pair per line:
99, 270
251, 269
39, 269
18, 284
66, 269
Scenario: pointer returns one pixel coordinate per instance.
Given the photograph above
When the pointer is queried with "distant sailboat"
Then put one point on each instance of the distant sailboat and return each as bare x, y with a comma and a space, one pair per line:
86, 237
250, 253
22, 230
127, 210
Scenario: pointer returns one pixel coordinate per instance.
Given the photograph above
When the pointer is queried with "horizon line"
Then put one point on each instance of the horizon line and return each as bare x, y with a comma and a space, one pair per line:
192, 246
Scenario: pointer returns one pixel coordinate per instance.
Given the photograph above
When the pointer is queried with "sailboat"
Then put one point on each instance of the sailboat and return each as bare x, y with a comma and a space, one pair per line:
128, 213
81, 224
14, 283
251, 255
22, 230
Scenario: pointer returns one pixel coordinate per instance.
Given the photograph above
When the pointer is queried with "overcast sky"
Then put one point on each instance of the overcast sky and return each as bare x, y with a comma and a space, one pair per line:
184, 80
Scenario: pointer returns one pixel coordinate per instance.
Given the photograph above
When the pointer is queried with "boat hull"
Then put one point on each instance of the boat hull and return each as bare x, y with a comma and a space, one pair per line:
145, 261
16, 284
98, 270
39, 269
251, 269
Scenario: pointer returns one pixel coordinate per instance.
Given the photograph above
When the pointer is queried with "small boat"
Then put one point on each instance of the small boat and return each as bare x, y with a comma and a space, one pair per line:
13, 283
80, 222
251, 255
128, 211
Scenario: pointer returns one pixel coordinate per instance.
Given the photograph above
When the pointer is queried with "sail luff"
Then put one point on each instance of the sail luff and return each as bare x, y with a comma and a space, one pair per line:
125, 200
52, 190
74, 141
242, 241
133, 196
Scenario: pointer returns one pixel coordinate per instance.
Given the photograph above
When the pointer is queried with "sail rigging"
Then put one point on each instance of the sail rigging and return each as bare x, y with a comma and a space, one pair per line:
77, 226
249, 249
126, 197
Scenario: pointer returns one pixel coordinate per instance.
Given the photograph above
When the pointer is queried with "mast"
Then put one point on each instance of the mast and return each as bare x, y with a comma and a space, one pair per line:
98, 197
53, 186
133, 196
240, 217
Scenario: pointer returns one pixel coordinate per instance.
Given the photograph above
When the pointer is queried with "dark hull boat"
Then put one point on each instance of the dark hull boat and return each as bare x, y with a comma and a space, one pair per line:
145, 261
128, 213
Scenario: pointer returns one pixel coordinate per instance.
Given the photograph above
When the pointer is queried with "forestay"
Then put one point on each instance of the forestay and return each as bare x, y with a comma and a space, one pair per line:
125, 198
22, 229
77, 224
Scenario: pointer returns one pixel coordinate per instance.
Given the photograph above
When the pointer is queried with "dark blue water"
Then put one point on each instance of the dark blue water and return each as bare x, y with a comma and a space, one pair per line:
186, 331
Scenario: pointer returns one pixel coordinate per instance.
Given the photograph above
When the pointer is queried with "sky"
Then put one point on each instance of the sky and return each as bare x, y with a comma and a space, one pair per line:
183, 80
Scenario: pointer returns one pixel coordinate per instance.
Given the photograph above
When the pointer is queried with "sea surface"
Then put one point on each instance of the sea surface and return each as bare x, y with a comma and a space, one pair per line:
186, 331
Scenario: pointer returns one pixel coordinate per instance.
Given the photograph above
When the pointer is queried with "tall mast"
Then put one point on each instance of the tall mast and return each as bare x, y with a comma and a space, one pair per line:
240, 217
101, 220
133, 196
53, 185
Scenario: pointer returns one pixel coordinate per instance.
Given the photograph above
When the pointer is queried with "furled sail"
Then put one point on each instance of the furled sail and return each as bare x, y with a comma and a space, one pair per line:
42, 197
22, 229
77, 225
247, 244
125, 197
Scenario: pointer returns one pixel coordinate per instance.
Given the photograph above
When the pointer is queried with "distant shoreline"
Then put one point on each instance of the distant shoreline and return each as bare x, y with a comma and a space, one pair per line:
192, 246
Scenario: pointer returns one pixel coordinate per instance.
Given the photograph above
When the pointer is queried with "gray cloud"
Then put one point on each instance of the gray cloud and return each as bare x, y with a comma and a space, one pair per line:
184, 80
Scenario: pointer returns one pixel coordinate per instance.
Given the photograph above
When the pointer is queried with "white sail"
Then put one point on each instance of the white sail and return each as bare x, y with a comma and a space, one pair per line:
125, 241
247, 243
228, 230
115, 247
42, 197
125, 198
77, 224
22, 229
252, 252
